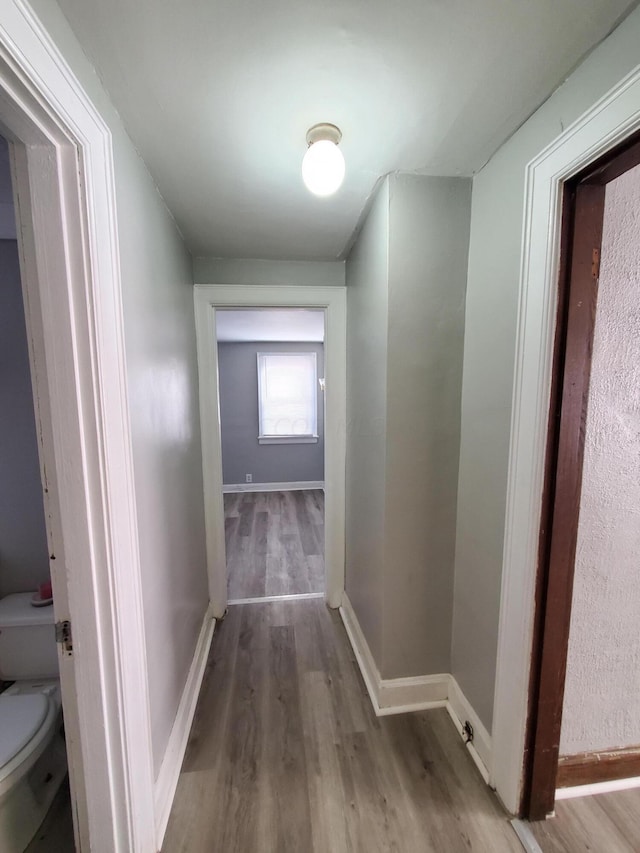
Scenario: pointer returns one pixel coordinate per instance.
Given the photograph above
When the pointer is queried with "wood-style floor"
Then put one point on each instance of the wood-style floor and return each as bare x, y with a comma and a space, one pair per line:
287, 756
606, 823
275, 543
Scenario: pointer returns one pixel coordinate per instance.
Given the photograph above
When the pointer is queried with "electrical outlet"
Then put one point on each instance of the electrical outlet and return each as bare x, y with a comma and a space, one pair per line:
248, 478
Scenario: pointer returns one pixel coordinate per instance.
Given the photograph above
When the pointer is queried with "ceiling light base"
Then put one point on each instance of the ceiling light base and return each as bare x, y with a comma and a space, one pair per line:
324, 131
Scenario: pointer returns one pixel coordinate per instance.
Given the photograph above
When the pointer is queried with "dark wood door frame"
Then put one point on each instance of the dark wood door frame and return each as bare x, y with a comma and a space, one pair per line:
583, 214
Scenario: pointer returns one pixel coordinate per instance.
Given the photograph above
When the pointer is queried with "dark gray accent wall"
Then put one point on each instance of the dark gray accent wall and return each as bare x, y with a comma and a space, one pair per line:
241, 453
24, 561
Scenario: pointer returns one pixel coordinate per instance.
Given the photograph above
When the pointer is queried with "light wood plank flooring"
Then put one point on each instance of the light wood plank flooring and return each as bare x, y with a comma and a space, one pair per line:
275, 543
287, 756
606, 823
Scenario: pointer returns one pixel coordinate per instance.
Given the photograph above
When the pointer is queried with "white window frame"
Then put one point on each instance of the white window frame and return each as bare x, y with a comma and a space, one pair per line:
287, 438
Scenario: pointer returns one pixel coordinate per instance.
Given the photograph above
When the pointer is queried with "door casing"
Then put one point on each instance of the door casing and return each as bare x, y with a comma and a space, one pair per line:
65, 206
208, 298
607, 124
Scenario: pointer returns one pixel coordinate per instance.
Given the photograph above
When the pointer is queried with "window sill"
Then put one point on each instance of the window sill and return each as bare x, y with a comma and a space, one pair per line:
287, 439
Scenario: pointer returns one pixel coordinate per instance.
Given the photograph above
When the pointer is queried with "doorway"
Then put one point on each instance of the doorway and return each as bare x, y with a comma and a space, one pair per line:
331, 302
583, 517
271, 391
62, 169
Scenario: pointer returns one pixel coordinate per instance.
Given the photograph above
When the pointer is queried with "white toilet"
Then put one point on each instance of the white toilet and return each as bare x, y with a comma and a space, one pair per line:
33, 760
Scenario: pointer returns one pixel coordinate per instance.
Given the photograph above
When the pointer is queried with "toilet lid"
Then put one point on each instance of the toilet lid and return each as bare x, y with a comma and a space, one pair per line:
20, 718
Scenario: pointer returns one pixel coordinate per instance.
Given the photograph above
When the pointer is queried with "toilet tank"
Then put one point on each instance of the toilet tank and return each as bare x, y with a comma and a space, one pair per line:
27, 639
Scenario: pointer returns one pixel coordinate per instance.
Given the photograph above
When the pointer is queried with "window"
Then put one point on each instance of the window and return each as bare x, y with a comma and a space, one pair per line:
287, 397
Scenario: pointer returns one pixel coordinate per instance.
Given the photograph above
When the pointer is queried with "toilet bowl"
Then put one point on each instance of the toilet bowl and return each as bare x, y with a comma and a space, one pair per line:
33, 759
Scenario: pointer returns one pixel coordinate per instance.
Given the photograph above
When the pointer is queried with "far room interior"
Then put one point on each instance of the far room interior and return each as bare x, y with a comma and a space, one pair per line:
271, 387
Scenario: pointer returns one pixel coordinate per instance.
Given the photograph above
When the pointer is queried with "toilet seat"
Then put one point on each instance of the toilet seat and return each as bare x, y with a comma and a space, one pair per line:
23, 740
20, 718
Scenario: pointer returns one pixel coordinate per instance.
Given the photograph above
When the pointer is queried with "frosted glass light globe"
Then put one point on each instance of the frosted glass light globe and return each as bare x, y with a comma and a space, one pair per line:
323, 167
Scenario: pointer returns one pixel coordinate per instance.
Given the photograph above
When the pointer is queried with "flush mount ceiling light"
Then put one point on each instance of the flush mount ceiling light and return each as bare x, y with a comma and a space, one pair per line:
323, 164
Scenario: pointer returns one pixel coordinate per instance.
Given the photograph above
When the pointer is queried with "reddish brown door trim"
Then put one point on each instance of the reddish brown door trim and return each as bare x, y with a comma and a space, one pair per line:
593, 767
534, 724
608, 168
583, 213
569, 427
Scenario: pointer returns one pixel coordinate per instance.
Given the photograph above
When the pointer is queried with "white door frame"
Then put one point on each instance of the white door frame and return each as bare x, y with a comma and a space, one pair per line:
606, 124
208, 298
65, 204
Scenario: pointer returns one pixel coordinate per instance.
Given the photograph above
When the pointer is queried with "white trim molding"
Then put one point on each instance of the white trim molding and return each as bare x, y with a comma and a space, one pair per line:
167, 781
607, 787
391, 696
287, 439
266, 599
418, 693
65, 200
461, 710
607, 123
294, 486
208, 298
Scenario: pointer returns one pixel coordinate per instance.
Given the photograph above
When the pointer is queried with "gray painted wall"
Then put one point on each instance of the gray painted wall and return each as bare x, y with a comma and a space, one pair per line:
241, 453
489, 350
165, 421
163, 397
429, 241
242, 271
602, 694
367, 320
24, 559
405, 290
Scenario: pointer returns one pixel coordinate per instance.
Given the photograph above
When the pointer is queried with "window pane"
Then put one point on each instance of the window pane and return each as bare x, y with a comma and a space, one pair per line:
287, 387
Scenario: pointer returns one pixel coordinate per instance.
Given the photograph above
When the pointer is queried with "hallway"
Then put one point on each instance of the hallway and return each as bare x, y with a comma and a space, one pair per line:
286, 753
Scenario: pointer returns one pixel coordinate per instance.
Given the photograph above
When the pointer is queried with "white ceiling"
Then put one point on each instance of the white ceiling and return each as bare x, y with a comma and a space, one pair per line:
270, 325
217, 95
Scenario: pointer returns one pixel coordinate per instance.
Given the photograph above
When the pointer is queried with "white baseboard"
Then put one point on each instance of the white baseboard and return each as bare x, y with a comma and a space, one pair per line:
598, 788
460, 710
361, 650
296, 486
401, 695
167, 781
418, 693
396, 695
